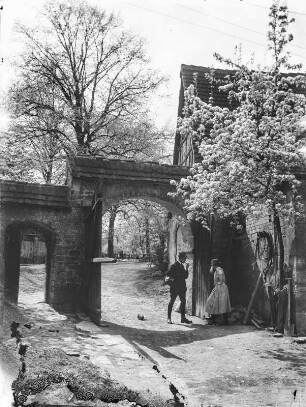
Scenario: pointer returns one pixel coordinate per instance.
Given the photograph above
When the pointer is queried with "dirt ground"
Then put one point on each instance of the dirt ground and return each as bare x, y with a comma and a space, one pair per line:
226, 366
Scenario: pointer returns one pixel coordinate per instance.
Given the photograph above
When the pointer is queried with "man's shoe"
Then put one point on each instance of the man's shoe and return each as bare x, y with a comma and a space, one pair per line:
169, 321
185, 321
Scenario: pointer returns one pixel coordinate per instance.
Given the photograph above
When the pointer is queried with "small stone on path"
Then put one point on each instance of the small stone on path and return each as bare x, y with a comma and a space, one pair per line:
72, 352
86, 326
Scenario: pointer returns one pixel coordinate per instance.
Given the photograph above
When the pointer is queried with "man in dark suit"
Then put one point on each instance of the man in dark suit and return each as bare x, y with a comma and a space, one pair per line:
177, 275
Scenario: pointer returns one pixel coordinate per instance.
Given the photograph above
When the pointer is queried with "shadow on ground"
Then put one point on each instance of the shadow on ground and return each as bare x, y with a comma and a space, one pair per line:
158, 341
295, 360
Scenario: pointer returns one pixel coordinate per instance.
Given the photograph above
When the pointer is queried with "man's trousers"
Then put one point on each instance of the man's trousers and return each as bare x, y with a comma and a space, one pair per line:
173, 295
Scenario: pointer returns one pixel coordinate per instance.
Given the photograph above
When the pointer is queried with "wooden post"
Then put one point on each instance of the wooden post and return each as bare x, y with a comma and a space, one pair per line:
248, 312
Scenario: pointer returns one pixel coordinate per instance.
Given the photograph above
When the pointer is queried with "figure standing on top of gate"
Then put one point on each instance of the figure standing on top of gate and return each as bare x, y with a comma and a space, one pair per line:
218, 303
176, 278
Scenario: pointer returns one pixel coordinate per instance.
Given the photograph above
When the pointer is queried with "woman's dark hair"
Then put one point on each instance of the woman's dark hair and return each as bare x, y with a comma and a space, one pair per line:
216, 262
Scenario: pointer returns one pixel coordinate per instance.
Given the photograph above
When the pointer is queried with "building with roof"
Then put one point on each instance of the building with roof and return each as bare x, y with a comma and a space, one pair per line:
244, 254
185, 152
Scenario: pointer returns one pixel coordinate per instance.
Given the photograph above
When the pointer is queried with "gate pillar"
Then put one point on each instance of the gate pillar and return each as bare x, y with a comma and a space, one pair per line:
92, 280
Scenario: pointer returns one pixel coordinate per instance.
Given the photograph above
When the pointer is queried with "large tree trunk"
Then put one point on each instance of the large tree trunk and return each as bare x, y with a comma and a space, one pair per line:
49, 172
111, 231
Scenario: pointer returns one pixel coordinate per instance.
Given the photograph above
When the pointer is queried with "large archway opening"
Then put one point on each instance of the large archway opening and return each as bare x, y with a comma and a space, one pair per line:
29, 248
140, 239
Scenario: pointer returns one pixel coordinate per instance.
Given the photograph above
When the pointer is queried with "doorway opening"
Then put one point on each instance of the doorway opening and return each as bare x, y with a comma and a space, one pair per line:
140, 239
125, 230
28, 261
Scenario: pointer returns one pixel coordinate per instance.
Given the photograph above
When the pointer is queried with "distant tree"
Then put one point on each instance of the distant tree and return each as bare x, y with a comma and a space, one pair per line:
33, 160
136, 227
251, 154
41, 139
14, 163
86, 74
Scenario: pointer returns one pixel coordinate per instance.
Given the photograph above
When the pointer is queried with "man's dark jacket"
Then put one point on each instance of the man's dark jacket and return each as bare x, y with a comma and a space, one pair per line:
179, 274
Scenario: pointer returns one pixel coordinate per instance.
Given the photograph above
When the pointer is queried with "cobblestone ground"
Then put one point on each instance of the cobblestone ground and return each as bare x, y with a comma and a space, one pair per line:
228, 366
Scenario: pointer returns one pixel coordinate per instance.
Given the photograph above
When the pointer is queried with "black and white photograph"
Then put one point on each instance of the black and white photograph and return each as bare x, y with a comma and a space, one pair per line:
153, 203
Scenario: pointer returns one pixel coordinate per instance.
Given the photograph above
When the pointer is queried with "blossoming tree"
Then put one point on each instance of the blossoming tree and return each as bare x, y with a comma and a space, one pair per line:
249, 154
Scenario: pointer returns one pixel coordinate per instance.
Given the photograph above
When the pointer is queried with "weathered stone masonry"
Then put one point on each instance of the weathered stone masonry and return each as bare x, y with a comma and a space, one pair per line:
68, 219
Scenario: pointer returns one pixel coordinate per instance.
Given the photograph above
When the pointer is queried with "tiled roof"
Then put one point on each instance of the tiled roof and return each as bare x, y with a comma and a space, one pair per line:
24, 193
205, 91
204, 88
96, 167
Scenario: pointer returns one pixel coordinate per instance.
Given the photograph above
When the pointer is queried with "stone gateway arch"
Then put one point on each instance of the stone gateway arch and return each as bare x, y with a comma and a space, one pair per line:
70, 219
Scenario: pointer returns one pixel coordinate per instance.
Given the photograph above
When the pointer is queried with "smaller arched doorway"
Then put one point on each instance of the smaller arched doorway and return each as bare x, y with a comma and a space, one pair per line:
18, 236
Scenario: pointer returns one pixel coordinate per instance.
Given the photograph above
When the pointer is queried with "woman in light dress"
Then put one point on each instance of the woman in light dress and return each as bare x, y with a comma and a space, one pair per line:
218, 303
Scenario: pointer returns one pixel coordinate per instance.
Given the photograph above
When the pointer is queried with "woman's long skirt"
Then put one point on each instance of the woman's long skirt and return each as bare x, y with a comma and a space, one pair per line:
218, 302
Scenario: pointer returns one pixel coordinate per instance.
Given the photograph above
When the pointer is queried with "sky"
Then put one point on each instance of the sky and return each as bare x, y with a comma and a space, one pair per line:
176, 32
